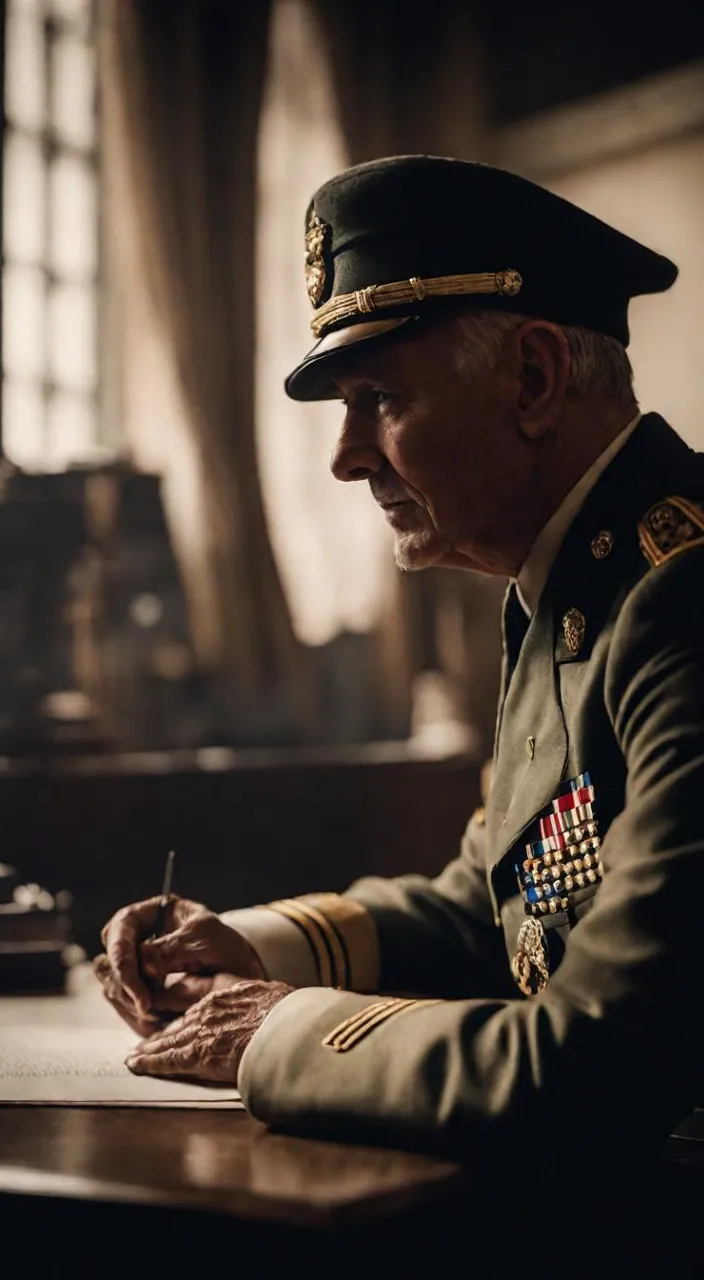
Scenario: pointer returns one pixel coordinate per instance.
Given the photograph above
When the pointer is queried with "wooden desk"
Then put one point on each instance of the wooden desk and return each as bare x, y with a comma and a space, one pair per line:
195, 1185
107, 1193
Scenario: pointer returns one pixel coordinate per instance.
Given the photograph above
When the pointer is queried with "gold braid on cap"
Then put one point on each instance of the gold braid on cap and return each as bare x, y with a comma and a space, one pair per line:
377, 296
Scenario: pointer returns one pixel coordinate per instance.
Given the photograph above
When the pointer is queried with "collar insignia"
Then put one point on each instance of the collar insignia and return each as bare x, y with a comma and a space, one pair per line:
574, 625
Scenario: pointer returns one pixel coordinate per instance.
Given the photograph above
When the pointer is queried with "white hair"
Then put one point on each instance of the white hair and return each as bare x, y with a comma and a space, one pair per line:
599, 364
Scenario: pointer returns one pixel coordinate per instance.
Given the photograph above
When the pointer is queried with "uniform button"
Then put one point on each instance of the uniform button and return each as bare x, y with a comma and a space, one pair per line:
530, 748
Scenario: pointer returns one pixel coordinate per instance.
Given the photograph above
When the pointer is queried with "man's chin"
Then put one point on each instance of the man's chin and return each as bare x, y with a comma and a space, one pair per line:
419, 550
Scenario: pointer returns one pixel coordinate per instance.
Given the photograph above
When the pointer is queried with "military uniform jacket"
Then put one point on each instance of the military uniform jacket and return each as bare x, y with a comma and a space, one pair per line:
606, 691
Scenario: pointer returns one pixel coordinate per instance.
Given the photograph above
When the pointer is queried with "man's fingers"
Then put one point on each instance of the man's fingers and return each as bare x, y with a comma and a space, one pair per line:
101, 967
143, 1023
177, 997
171, 1037
121, 941
161, 1058
185, 950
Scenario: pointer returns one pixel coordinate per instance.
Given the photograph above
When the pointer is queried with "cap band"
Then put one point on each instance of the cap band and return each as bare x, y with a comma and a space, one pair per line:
364, 301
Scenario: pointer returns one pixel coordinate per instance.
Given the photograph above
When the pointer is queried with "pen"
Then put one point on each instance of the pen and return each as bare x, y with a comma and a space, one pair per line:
160, 920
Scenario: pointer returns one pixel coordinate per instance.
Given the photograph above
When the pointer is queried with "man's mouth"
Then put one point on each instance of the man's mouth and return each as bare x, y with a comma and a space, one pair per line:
402, 514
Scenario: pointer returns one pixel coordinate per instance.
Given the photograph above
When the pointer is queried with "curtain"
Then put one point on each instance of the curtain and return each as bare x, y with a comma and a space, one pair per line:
408, 79
406, 85
190, 78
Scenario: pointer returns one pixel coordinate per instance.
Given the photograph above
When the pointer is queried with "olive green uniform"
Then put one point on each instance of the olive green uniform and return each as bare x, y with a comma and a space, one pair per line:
607, 680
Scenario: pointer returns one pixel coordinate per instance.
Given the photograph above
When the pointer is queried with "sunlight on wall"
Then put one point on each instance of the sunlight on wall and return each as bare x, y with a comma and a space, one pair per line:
657, 196
332, 547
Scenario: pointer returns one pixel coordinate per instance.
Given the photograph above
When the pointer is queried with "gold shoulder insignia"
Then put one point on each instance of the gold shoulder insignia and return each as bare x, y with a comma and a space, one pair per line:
670, 527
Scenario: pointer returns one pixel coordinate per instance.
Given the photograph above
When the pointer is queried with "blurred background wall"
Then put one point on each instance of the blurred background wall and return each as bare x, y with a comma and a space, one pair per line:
180, 573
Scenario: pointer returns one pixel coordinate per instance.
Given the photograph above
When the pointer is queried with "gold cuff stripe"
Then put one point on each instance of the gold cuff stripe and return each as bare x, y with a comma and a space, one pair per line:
315, 936
357, 1028
341, 935
334, 944
377, 296
355, 929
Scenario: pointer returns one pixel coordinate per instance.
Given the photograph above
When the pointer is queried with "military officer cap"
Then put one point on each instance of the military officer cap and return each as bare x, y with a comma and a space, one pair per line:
408, 238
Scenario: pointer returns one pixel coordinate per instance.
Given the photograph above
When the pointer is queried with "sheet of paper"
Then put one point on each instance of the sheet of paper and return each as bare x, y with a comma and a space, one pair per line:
84, 1066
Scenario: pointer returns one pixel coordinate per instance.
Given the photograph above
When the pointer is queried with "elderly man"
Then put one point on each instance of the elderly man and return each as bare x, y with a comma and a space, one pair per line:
547, 985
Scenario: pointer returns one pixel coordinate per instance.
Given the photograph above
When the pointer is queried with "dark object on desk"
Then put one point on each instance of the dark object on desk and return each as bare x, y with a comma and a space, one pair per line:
35, 934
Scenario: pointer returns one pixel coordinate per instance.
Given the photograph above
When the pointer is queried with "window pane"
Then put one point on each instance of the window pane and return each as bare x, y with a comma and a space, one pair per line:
23, 424
24, 70
23, 198
70, 429
73, 229
72, 107
72, 336
23, 321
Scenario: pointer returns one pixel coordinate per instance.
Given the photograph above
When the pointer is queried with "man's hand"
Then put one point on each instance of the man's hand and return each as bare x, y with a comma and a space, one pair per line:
149, 980
208, 1042
179, 992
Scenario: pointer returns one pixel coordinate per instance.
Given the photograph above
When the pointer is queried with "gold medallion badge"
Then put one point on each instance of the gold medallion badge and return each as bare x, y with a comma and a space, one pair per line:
316, 235
530, 963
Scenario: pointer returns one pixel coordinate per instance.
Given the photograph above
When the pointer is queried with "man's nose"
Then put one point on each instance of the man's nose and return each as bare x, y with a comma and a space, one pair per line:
355, 456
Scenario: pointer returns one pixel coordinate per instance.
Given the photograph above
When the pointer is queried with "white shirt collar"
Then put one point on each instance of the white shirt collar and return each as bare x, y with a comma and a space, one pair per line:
537, 565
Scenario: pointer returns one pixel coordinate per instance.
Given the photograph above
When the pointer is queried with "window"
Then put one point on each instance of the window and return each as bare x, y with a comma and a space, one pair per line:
50, 235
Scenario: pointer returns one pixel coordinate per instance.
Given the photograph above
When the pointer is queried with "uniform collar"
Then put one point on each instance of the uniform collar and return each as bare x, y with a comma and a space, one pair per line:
536, 568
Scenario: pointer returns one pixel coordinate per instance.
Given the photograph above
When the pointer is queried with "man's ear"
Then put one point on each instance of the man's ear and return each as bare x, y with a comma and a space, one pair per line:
543, 376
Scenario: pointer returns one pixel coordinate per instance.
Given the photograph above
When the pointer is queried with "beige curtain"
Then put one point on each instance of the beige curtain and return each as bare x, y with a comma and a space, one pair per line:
408, 86
408, 80
190, 77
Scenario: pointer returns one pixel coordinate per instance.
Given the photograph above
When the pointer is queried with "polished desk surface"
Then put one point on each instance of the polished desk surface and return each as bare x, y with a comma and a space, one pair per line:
202, 1186
220, 1160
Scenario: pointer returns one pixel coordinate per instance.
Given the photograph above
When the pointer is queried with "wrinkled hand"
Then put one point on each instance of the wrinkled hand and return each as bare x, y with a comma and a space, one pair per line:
208, 1042
179, 992
149, 980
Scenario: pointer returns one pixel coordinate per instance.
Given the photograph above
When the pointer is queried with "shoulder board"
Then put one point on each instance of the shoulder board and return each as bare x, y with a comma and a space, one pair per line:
671, 526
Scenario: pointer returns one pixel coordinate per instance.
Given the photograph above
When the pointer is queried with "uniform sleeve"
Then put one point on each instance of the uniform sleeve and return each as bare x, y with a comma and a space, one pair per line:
282, 948
319, 939
612, 1044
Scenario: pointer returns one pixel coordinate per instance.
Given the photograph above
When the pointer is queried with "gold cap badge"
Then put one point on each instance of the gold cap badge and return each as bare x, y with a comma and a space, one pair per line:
316, 235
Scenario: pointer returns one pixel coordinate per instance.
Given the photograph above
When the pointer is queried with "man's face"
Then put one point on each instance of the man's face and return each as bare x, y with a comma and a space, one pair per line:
441, 451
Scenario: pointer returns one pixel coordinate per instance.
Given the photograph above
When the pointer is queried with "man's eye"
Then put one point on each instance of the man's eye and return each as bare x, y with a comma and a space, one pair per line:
369, 399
